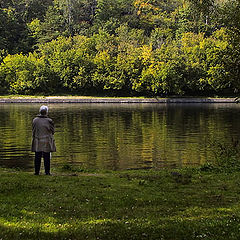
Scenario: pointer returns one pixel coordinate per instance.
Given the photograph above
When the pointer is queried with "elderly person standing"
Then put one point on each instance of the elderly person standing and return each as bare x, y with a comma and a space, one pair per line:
43, 141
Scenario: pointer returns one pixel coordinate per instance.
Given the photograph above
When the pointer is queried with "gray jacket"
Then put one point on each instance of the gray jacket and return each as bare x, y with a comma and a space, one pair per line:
42, 134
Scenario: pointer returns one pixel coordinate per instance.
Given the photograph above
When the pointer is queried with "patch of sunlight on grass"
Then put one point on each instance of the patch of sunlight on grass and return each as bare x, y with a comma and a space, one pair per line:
54, 228
100, 221
17, 224
48, 227
112, 221
228, 210
28, 213
198, 213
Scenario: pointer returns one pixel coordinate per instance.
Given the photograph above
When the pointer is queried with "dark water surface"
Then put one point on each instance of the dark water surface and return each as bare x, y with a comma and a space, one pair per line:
120, 136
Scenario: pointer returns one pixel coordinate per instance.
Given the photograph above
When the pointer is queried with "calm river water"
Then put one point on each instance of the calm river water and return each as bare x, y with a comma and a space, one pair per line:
120, 136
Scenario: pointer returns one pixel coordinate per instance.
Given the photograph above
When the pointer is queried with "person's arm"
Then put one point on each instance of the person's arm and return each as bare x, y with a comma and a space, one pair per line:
52, 129
33, 128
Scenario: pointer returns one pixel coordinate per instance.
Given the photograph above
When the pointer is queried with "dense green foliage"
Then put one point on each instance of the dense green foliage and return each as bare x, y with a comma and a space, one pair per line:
123, 47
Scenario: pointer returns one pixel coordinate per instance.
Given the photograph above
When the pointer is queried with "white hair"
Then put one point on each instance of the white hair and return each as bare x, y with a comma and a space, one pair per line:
43, 110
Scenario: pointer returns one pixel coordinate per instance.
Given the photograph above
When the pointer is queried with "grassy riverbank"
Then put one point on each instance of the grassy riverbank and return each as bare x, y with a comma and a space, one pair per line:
104, 99
186, 204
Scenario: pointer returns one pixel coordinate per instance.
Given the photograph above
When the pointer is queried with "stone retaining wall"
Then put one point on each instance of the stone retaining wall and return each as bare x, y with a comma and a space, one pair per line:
116, 100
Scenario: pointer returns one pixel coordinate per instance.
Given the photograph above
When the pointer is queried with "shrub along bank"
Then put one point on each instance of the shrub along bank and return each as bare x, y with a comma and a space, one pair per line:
165, 204
117, 65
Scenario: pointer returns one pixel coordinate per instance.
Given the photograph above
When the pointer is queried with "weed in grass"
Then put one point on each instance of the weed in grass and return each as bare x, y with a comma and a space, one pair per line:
71, 168
226, 155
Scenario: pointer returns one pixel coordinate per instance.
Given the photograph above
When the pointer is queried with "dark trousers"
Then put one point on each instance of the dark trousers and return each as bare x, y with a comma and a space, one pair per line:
37, 162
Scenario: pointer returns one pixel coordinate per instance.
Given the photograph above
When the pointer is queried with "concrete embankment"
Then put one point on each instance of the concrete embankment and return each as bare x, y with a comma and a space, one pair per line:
115, 100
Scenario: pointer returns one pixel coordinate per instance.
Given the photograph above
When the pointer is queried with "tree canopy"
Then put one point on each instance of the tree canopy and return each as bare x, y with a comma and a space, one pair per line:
120, 47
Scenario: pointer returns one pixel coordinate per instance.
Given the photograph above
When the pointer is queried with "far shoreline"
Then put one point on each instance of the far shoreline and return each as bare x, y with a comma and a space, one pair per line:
84, 99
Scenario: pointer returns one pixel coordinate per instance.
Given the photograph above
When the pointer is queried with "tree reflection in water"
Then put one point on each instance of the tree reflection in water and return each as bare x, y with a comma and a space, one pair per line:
120, 136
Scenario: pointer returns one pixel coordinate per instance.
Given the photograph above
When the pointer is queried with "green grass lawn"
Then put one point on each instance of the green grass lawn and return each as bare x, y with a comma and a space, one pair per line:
185, 204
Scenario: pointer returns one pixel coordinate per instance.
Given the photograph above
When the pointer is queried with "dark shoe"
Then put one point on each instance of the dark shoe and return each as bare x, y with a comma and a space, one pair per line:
36, 173
48, 174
